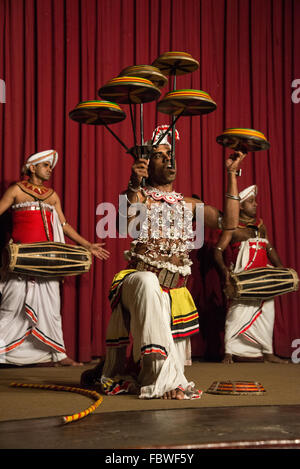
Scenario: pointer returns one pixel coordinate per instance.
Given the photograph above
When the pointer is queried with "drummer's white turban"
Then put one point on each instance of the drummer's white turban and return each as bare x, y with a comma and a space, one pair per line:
159, 131
42, 157
248, 192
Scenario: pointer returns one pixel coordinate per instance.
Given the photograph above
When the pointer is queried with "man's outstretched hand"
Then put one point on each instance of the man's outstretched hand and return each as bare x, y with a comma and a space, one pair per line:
97, 250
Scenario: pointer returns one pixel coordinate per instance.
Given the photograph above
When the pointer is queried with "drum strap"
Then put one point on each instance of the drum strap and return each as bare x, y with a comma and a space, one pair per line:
44, 220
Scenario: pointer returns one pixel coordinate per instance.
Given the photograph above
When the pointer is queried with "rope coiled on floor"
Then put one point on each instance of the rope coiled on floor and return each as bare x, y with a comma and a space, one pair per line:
52, 387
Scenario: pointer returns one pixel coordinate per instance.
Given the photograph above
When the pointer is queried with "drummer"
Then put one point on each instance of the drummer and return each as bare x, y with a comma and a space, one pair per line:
249, 325
30, 320
150, 299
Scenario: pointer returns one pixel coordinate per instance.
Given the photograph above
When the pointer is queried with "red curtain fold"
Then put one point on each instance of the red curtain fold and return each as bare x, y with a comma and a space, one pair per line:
55, 53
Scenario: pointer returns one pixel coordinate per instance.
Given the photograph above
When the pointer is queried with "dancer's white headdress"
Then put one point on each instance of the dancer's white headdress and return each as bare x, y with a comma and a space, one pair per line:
41, 157
159, 131
248, 192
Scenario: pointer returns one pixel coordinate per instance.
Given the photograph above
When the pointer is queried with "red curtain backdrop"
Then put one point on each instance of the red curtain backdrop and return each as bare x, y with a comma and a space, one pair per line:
55, 53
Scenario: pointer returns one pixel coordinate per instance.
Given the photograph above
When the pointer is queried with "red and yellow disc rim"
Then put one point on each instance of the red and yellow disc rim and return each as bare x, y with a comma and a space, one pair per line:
176, 53
137, 68
130, 80
98, 104
188, 94
246, 132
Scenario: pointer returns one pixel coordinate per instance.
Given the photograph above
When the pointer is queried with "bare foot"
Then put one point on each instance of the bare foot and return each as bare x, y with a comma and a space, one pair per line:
174, 394
269, 357
227, 359
68, 362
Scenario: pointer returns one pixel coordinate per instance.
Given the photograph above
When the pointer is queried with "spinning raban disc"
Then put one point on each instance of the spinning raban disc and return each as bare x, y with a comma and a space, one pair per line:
186, 102
176, 63
241, 139
97, 112
146, 71
129, 90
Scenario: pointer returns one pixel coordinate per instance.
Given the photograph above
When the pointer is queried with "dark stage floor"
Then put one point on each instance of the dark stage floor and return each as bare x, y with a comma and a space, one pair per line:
209, 428
30, 419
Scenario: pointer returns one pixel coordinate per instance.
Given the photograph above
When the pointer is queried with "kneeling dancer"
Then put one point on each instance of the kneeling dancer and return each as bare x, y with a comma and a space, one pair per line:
149, 299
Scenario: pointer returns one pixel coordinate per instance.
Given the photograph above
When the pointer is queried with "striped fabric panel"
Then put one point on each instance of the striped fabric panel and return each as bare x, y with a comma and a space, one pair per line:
115, 290
47, 340
115, 295
251, 339
119, 342
154, 348
8, 347
185, 317
186, 332
39, 335
31, 313
185, 325
248, 324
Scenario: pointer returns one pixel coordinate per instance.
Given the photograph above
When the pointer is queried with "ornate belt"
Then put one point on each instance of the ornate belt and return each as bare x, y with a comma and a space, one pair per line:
31, 209
166, 278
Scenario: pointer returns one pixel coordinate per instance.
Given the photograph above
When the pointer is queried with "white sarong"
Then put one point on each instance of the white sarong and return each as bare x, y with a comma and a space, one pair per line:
30, 319
249, 324
162, 358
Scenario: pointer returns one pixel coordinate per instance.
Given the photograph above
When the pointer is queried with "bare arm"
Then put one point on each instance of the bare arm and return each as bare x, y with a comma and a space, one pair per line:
271, 251
231, 203
273, 256
133, 194
95, 248
139, 170
8, 199
220, 247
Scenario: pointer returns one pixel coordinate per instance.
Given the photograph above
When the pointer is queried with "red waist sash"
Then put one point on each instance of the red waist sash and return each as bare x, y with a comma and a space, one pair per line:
257, 254
28, 226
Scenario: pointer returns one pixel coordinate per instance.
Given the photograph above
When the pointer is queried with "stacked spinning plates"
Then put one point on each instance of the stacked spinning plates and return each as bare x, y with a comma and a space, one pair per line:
97, 112
243, 139
187, 103
236, 388
129, 90
176, 63
146, 71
